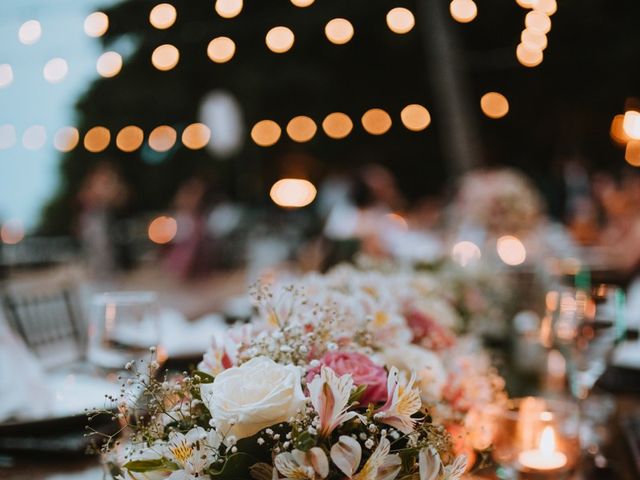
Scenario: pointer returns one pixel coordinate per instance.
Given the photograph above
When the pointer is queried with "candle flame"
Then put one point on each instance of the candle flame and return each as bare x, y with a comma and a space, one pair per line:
547, 441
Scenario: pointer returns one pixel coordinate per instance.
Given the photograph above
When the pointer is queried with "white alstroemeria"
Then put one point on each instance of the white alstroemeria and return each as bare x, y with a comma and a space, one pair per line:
193, 452
381, 465
330, 398
346, 454
402, 402
299, 465
455, 470
431, 467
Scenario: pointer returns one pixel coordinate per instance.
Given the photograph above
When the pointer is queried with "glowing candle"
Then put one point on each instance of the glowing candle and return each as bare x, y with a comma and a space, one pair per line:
545, 457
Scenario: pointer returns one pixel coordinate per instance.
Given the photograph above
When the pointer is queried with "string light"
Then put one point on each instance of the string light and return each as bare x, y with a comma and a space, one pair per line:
7, 136
400, 20
376, 121
617, 130
302, 3
632, 153
548, 7
97, 139
266, 133
293, 192
96, 24
221, 49
526, 3
337, 125
463, 11
631, 124
415, 117
34, 137
280, 39
529, 57
301, 129
162, 138
109, 64
538, 21
66, 139
228, 8
165, 57
533, 40
130, 138
162, 230
6, 75
55, 70
465, 252
196, 136
30, 32
339, 31
163, 16
494, 105
511, 250
12, 231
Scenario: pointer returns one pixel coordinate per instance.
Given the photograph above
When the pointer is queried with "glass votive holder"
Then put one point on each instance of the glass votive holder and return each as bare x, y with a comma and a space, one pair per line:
534, 438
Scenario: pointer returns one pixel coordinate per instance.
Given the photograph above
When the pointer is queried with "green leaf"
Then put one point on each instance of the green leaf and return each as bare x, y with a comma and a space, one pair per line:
357, 394
305, 441
150, 465
235, 468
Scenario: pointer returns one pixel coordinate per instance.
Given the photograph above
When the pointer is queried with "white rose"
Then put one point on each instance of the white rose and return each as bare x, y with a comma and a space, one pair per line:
427, 365
258, 394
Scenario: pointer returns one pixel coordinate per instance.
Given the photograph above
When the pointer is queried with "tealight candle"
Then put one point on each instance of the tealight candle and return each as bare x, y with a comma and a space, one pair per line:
545, 457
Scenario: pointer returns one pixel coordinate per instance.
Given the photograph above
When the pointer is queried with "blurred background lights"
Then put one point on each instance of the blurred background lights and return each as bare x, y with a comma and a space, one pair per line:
376, 121
511, 250
130, 138
109, 64
162, 138
30, 32
463, 11
266, 133
162, 229
163, 16
617, 130
12, 231
302, 3
632, 153
228, 8
293, 192
465, 252
415, 117
339, 31
301, 129
280, 39
6, 75
55, 70
34, 137
494, 105
400, 20
337, 125
526, 3
96, 24
533, 39
631, 124
538, 21
548, 7
66, 139
221, 49
97, 139
165, 57
529, 57
7, 136
196, 136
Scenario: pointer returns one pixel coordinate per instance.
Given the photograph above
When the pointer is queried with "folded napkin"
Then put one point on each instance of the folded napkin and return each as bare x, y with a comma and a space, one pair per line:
183, 338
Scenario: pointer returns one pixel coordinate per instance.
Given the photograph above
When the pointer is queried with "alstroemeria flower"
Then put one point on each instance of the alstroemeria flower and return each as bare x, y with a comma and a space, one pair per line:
346, 454
381, 465
193, 452
299, 465
431, 467
402, 402
330, 398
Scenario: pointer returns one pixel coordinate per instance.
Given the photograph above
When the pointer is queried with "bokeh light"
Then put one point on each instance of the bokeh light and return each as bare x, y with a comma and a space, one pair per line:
617, 130
280, 39
165, 57
400, 20
130, 138
6, 75
302, 3
415, 117
463, 11
162, 229
548, 7
228, 8
533, 39
109, 64
301, 129
529, 57
66, 139
55, 70
96, 24
494, 105
465, 252
196, 136
337, 125
526, 3
12, 232
538, 21
339, 31
8, 136
511, 250
163, 16
266, 133
632, 153
97, 139
631, 124
30, 32
221, 49
34, 137
376, 121
293, 192
162, 138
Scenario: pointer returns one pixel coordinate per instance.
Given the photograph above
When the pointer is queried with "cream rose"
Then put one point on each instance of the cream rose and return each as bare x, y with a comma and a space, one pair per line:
258, 394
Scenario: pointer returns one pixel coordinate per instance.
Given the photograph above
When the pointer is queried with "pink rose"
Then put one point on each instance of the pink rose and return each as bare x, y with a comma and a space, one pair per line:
429, 333
362, 370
